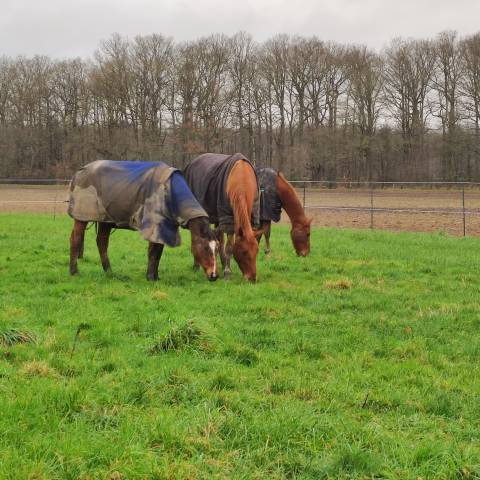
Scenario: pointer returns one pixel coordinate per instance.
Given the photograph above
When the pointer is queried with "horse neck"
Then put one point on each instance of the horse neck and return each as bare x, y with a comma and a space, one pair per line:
195, 225
290, 201
241, 188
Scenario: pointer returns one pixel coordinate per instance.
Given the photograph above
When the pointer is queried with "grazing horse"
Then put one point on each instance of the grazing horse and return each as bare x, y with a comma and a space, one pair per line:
277, 193
226, 186
150, 197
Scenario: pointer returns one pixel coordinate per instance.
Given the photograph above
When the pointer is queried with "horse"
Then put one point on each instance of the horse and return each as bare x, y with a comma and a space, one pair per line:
150, 197
226, 186
278, 193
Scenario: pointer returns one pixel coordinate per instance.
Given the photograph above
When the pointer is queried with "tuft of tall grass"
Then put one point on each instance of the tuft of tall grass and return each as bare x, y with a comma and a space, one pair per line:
179, 337
11, 336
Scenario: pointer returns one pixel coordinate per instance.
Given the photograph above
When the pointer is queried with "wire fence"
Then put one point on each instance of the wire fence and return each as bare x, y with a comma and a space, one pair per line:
451, 207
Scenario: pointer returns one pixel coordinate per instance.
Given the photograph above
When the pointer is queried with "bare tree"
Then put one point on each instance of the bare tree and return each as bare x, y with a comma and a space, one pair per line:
408, 72
470, 80
365, 88
447, 105
242, 69
274, 64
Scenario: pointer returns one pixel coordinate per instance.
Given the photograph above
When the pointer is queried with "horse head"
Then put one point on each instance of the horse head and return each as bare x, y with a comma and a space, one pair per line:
204, 246
245, 251
300, 234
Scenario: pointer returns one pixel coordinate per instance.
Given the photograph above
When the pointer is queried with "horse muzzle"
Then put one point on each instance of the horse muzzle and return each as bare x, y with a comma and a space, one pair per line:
212, 277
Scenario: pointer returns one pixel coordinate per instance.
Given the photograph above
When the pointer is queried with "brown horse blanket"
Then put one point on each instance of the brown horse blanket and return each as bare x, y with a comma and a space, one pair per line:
270, 203
207, 177
150, 197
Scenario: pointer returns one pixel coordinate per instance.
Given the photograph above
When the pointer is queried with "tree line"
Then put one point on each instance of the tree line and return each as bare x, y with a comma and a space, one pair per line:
314, 109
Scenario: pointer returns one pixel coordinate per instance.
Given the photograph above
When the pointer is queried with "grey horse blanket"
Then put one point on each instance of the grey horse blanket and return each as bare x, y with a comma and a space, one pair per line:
150, 197
207, 176
270, 203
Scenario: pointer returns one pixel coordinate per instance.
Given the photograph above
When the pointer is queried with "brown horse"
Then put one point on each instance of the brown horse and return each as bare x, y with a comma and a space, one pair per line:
204, 247
226, 186
150, 197
241, 191
278, 193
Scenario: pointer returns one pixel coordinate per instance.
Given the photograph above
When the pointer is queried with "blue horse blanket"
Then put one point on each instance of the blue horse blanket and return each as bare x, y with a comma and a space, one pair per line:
150, 197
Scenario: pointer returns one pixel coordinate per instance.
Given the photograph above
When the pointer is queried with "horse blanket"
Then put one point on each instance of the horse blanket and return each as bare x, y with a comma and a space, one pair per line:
207, 177
150, 197
270, 203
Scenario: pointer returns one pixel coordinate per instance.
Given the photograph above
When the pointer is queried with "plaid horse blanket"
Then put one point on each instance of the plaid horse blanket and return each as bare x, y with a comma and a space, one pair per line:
207, 176
150, 197
270, 203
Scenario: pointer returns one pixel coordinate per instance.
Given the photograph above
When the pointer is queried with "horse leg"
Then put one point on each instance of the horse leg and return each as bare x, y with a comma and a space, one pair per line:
76, 237
267, 228
82, 241
196, 265
221, 246
155, 251
227, 271
103, 236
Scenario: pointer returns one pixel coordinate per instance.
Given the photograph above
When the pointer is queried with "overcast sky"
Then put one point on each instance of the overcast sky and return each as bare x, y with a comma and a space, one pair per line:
67, 28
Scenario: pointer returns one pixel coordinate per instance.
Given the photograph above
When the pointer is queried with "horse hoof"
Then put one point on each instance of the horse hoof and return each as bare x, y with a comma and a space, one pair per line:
73, 272
267, 251
227, 275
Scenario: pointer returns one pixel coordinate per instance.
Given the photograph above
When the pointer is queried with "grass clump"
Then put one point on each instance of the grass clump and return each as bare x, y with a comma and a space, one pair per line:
340, 284
180, 337
243, 356
222, 382
37, 368
11, 336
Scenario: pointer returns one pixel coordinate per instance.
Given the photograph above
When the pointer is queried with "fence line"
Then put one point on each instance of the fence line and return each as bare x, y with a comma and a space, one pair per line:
368, 182
392, 210
34, 181
309, 189
55, 181
33, 201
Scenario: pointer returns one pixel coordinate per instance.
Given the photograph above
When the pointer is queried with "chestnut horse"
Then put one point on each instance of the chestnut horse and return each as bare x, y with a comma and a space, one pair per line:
280, 194
150, 197
226, 186
241, 191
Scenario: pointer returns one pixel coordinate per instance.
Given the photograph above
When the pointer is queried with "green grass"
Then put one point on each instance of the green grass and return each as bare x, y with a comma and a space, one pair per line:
361, 361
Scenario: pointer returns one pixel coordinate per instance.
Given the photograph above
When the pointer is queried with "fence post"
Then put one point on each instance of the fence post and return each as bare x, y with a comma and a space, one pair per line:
371, 207
304, 195
55, 201
463, 210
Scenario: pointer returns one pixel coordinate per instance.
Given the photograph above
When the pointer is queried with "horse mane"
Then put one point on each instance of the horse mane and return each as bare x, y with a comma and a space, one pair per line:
290, 201
241, 187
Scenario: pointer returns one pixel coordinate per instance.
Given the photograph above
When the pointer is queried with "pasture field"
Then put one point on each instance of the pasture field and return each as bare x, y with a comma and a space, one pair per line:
358, 362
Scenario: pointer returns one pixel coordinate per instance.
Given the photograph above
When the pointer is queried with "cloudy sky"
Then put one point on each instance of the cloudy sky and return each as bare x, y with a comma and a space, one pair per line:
67, 28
